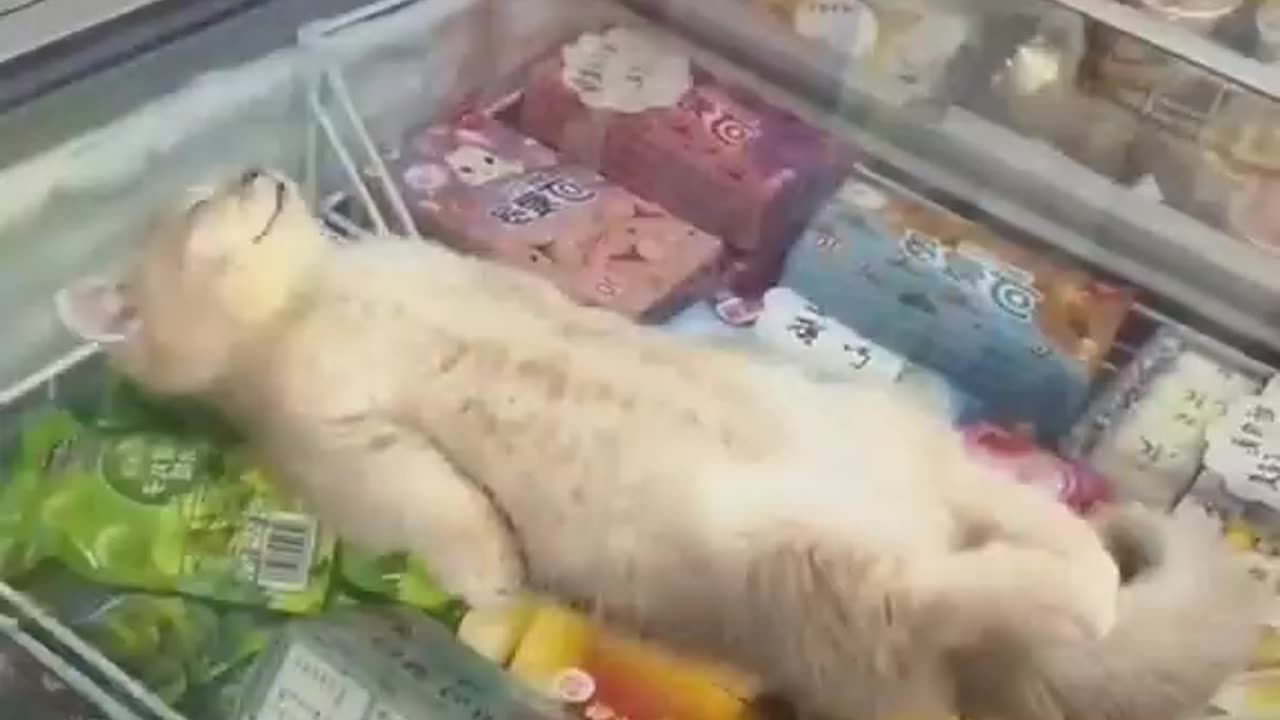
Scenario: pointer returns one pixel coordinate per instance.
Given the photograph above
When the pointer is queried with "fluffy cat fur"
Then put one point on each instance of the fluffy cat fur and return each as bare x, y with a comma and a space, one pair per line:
836, 541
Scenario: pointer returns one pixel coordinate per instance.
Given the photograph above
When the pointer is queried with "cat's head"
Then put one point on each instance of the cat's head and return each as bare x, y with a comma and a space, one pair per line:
214, 273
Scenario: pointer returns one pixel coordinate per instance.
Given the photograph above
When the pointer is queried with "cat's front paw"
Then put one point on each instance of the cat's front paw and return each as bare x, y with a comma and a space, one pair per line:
486, 571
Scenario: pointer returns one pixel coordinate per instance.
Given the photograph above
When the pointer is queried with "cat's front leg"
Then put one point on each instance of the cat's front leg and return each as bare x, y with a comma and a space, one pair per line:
388, 490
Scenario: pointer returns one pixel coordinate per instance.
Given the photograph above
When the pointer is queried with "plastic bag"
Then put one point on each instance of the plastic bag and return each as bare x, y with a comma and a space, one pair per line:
161, 512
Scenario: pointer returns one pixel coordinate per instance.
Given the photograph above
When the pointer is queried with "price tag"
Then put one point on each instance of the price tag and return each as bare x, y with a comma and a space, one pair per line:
792, 325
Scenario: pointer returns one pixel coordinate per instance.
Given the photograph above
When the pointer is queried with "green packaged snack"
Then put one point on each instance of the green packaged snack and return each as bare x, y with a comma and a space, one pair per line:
159, 512
395, 576
172, 644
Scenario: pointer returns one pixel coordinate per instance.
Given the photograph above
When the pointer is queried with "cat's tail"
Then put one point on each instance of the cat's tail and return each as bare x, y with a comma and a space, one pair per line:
1188, 618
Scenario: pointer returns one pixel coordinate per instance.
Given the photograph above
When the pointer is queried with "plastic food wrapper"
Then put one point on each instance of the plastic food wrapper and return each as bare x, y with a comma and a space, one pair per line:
494, 633
637, 108
383, 666
171, 643
1026, 462
394, 576
484, 188
36, 684
152, 511
901, 50
1149, 431
1024, 333
603, 676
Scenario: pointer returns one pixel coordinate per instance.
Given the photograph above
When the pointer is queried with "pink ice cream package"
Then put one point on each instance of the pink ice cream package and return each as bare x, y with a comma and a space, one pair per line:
719, 156
1023, 461
480, 186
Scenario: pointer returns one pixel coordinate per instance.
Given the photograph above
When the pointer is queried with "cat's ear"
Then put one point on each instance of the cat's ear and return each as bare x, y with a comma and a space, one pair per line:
96, 309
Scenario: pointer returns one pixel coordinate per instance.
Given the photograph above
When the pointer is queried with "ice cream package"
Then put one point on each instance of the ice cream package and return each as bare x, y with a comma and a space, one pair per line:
383, 665
172, 644
1020, 459
1149, 430
153, 511
479, 185
601, 675
1021, 331
639, 109
903, 51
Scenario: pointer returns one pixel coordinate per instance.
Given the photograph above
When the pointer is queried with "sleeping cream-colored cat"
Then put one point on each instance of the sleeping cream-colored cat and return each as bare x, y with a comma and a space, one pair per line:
836, 541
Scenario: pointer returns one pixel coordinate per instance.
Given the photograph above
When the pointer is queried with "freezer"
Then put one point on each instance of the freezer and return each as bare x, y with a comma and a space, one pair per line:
1059, 216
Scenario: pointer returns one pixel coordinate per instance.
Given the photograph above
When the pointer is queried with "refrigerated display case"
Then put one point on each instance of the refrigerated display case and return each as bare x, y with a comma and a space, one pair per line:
1135, 143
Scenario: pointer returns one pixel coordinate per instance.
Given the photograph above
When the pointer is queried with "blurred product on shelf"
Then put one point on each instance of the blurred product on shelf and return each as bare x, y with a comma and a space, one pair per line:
1242, 148
1267, 25
394, 576
377, 666
604, 676
797, 329
157, 511
900, 50
484, 188
1020, 332
1026, 462
1147, 432
495, 633
172, 644
716, 155
35, 684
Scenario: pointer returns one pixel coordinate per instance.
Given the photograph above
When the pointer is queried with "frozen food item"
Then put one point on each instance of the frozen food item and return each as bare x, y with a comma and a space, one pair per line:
1026, 462
394, 576
383, 666
603, 676
716, 155
1022, 333
1148, 432
35, 684
153, 511
1267, 22
901, 50
794, 327
1041, 85
494, 633
170, 643
490, 191
1242, 154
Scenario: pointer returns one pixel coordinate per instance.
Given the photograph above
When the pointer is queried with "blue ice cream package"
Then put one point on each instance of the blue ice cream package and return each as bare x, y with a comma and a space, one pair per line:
1022, 333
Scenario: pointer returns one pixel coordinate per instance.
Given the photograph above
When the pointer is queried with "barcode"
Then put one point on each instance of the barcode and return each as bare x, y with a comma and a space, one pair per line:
284, 564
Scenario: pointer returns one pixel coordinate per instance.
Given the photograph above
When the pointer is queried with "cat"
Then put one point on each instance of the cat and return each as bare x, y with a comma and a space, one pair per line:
835, 540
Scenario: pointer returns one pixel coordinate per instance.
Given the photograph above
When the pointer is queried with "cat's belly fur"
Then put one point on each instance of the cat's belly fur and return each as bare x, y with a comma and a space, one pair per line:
669, 544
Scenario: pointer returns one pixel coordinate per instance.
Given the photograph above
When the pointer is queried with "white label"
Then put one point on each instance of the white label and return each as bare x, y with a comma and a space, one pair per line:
796, 328
308, 688
844, 25
288, 549
1244, 448
625, 70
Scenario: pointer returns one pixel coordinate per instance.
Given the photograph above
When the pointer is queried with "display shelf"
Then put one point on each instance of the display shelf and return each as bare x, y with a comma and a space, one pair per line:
1229, 287
1204, 53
